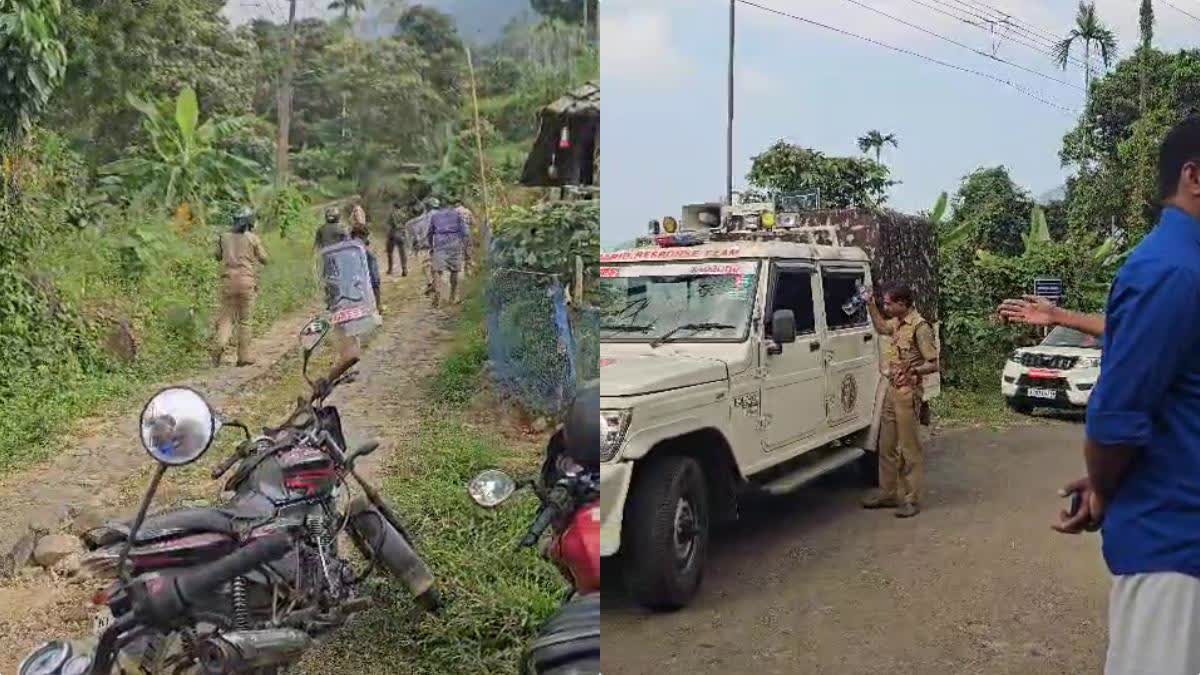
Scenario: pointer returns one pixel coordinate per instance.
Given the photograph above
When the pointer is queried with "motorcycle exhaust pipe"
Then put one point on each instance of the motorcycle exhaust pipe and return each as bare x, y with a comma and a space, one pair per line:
378, 536
245, 650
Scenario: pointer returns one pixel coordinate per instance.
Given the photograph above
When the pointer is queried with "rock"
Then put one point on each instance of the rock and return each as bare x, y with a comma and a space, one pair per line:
18, 558
87, 520
68, 566
53, 548
540, 425
120, 342
47, 521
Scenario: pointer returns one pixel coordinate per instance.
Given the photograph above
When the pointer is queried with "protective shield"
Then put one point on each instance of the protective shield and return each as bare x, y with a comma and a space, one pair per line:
347, 281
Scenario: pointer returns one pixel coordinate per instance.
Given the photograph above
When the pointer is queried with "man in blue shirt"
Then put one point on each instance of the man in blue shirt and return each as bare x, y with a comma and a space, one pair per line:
1143, 434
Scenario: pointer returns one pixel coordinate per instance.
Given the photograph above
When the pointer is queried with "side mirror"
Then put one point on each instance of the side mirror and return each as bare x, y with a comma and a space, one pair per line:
178, 426
783, 326
311, 335
491, 488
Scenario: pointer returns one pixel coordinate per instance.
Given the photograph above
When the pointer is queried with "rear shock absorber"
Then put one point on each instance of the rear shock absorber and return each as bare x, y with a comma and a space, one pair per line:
317, 525
241, 604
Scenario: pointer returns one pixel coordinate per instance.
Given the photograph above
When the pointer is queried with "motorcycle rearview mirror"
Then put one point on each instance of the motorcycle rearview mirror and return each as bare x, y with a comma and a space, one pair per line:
178, 426
310, 337
491, 488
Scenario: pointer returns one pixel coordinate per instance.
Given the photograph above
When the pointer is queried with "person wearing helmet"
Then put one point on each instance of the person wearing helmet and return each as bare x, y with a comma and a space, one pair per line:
418, 229
363, 235
333, 231
240, 252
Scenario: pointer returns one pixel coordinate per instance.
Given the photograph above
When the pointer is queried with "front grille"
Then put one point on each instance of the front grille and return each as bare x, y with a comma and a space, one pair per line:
1056, 383
1053, 361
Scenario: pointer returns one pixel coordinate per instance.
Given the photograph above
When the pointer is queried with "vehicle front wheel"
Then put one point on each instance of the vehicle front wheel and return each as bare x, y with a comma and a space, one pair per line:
668, 533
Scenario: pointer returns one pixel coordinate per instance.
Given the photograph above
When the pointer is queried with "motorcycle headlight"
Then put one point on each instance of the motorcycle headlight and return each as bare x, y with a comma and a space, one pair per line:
1088, 362
613, 425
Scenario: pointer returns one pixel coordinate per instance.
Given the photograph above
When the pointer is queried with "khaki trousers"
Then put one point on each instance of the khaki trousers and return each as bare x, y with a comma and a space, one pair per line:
237, 307
901, 459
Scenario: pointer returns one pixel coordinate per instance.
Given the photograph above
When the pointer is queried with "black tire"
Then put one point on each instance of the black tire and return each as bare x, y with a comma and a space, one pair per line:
667, 520
1020, 407
868, 469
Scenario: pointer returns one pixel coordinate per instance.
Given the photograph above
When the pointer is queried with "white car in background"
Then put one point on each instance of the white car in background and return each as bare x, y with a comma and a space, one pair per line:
1058, 373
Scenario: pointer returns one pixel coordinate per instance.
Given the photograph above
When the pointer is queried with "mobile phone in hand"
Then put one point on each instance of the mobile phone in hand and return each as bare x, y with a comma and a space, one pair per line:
1076, 501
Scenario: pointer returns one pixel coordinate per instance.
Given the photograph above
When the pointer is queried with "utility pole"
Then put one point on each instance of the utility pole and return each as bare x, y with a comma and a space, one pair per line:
729, 130
284, 105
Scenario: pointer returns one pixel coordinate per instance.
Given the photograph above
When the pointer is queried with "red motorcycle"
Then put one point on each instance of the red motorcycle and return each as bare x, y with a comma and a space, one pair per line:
569, 491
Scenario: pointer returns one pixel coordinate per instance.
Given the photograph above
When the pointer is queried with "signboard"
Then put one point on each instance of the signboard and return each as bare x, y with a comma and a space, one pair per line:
1050, 288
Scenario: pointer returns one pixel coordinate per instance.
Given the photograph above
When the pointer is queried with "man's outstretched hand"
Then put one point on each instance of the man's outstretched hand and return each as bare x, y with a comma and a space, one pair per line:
1031, 309
1090, 513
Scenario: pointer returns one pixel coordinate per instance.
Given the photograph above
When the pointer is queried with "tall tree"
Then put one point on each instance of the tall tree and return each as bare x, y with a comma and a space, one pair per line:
1146, 28
284, 107
1089, 30
436, 34
874, 140
992, 211
33, 53
572, 11
347, 6
843, 181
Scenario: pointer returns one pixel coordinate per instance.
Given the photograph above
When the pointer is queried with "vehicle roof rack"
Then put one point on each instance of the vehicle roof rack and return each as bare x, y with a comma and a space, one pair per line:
821, 235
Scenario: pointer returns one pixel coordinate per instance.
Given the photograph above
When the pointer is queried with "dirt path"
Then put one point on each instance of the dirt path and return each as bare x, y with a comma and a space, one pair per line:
100, 468
811, 583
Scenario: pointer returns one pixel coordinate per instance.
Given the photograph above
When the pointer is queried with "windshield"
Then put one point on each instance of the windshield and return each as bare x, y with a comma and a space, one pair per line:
692, 302
1069, 337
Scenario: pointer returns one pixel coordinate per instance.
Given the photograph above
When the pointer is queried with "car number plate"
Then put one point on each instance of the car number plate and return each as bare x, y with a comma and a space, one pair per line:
102, 620
1042, 393
348, 314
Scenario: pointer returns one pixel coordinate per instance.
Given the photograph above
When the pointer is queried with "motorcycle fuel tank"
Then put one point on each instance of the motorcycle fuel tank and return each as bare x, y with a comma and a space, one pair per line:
578, 548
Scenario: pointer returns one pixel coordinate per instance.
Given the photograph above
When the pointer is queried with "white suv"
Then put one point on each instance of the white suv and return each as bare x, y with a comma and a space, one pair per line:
1058, 373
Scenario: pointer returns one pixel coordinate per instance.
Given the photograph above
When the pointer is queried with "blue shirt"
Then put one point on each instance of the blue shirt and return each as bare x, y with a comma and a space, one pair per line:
1148, 397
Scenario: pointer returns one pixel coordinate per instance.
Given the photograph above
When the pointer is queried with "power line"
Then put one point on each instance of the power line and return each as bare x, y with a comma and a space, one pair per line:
989, 24
1181, 10
1046, 41
909, 52
964, 46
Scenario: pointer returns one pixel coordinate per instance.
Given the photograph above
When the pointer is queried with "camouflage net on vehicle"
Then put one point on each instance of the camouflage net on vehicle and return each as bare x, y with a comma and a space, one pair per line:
539, 347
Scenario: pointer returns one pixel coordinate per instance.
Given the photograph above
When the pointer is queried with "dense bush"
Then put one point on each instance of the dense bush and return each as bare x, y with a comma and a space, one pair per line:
546, 238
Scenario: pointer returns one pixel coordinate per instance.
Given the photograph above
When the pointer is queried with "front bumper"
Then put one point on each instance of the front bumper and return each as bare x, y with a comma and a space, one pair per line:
1071, 388
615, 478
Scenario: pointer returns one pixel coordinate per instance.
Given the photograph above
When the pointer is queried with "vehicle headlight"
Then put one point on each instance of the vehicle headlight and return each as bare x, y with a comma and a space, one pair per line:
613, 425
1088, 362
1015, 357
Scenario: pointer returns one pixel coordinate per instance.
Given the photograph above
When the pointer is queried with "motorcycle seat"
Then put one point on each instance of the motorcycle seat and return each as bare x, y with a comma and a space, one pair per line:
569, 641
180, 522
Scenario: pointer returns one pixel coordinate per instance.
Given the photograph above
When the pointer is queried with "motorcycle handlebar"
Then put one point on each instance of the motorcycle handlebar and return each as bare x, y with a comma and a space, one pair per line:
341, 368
220, 469
546, 515
164, 599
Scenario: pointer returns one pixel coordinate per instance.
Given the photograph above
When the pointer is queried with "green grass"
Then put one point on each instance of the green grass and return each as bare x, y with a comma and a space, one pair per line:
170, 301
497, 595
970, 406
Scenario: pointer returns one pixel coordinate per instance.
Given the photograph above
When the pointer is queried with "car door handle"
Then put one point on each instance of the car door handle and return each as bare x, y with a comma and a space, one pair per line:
814, 346
868, 337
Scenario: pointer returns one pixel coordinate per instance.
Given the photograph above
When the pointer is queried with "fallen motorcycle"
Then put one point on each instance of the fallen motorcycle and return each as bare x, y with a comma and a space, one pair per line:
568, 643
246, 587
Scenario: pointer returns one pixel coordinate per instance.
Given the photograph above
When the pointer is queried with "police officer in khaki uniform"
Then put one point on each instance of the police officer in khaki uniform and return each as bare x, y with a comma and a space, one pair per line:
240, 252
911, 354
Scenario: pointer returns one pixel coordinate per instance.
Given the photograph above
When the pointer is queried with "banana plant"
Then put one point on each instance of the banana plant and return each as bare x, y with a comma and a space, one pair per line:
183, 164
1039, 231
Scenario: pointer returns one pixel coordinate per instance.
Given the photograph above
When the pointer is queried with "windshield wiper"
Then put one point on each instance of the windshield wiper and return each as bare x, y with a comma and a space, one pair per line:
688, 326
627, 328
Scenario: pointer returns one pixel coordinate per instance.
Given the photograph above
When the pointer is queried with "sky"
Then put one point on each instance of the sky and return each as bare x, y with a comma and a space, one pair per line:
664, 66
480, 21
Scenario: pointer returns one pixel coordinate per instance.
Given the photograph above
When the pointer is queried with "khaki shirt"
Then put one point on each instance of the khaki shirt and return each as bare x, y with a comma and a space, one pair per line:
911, 344
240, 254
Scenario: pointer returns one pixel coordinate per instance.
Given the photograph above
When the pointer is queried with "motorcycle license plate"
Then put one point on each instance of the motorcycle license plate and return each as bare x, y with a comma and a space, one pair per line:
1042, 393
348, 314
102, 620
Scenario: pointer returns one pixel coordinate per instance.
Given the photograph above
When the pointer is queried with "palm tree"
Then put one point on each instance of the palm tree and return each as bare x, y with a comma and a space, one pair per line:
347, 6
1089, 30
873, 140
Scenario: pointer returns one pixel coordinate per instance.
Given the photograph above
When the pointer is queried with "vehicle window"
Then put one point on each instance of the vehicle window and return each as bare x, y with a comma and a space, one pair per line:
1068, 337
689, 301
840, 286
793, 290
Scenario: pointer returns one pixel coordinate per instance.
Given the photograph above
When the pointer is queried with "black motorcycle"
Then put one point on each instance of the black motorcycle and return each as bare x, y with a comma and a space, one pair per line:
289, 482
